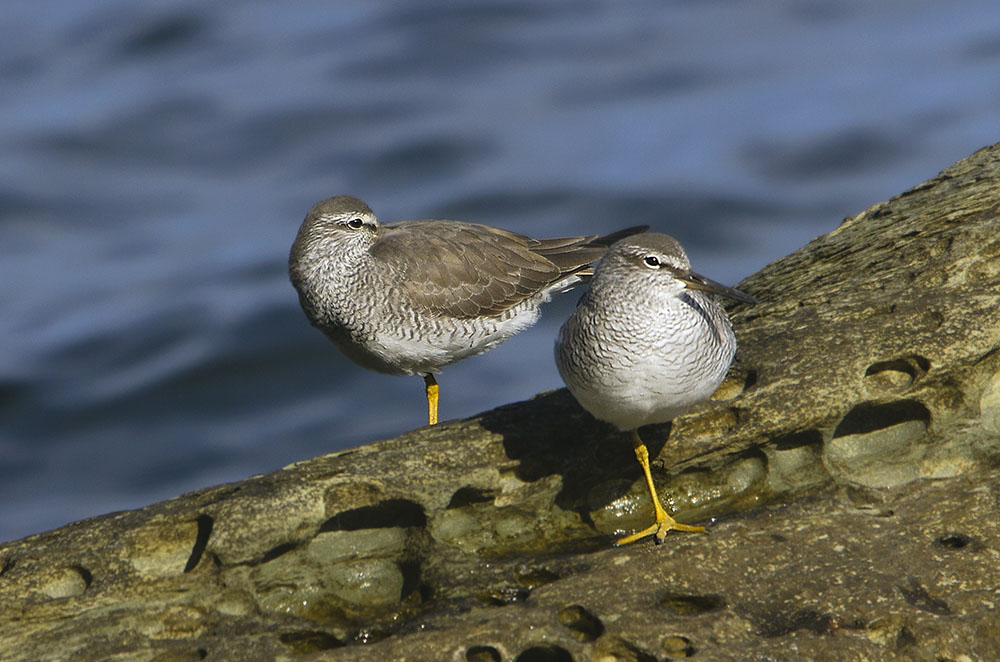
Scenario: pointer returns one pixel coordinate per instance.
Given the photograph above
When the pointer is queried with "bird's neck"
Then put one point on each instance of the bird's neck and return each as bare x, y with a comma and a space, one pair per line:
329, 283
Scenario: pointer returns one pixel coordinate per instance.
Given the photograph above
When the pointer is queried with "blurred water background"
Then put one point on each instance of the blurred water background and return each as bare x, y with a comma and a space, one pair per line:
156, 159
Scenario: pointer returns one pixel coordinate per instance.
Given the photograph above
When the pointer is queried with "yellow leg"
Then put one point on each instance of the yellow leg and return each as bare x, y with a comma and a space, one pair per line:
664, 522
432, 399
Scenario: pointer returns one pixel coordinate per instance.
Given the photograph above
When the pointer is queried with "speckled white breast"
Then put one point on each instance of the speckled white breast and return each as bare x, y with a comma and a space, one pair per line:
633, 362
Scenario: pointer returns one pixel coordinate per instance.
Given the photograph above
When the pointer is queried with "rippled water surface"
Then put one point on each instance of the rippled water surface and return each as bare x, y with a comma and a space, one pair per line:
157, 159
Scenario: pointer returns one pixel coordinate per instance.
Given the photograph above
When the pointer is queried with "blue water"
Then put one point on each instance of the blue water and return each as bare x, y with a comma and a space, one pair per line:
156, 160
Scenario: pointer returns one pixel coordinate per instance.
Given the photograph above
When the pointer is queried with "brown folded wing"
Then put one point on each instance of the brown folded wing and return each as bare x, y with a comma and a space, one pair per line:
466, 270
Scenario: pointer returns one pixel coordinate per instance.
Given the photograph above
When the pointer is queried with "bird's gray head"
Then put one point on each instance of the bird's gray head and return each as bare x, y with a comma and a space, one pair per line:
337, 226
660, 260
341, 219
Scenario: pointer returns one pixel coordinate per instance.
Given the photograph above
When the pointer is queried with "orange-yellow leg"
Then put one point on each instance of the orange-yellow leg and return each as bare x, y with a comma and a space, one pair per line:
664, 522
432, 398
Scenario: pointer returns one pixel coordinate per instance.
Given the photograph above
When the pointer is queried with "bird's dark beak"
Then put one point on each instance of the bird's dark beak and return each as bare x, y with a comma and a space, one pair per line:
695, 281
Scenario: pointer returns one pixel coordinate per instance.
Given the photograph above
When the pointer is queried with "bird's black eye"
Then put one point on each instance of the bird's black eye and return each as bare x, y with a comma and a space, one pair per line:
355, 223
652, 262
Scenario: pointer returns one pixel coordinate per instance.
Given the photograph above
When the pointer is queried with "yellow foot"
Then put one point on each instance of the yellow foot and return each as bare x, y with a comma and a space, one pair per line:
660, 528
663, 522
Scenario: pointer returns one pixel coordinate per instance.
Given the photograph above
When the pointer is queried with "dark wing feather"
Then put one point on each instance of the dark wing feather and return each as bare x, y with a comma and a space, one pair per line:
462, 270
576, 254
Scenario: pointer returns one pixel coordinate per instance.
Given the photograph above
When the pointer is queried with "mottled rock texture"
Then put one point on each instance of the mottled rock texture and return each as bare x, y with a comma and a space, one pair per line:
847, 471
